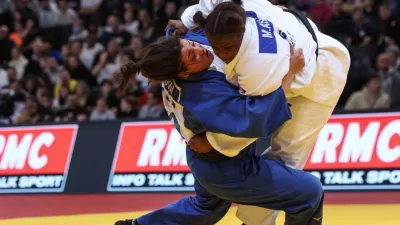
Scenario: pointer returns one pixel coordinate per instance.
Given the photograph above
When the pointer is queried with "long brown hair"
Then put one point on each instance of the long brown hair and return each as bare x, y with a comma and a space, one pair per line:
161, 61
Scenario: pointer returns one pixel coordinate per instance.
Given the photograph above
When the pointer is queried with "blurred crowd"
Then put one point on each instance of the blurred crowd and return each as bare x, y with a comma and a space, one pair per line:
58, 58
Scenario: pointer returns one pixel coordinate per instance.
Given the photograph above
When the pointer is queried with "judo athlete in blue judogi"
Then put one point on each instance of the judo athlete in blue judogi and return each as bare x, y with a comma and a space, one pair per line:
205, 101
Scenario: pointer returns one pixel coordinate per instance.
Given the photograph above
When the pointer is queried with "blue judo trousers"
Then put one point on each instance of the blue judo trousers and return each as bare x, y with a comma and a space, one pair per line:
247, 178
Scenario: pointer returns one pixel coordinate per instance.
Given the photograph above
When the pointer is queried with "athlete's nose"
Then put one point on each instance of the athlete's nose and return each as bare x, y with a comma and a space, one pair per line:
199, 50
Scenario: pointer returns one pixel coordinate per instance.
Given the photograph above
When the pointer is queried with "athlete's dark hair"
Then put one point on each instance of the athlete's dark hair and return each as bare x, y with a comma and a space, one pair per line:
226, 18
160, 61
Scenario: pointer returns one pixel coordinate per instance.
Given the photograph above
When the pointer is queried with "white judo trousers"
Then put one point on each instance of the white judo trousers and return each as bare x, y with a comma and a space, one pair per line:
293, 142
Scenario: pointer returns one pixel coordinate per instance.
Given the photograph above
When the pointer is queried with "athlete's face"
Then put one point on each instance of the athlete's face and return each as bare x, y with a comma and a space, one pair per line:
195, 57
226, 47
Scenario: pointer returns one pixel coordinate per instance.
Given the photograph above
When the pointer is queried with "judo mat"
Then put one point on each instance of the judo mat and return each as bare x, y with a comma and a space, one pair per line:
340, 209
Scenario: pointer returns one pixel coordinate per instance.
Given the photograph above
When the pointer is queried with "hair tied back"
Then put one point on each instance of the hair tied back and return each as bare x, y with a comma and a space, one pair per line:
127, 71
199, 19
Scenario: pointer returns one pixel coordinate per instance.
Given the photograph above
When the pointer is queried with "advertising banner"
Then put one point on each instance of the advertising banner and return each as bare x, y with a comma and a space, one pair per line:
352, 152
35, 158
358, 152
150, 156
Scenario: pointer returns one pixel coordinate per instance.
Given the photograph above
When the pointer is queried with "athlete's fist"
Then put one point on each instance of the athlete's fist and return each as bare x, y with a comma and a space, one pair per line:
297, 61
179, 27
199, 143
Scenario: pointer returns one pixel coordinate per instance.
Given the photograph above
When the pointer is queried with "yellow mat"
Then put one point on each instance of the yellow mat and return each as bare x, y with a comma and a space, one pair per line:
334, 215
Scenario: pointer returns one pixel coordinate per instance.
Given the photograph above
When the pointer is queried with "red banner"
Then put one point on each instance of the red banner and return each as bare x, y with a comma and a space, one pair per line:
34, 158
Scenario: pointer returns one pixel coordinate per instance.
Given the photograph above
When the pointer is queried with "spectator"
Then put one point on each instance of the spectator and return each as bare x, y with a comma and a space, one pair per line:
66, 15
65, 81
130, 24
20, 33
48, 14
301, 5
52, 69
321, 13
18, 61
79, 71
83, 95
11, 77
30, 85
153, 109
370, 97
107, 62
45, 108
108, 92
30, 113
394, 58
146, 26
128, 108
60, 100
3, 77
78, 32
70, 109
387, 76
90, 48
5, 45
114, 31
101, 111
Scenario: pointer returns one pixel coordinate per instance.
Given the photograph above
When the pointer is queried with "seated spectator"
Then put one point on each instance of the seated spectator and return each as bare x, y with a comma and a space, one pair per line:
83, 96
82, 116
90, 48
370, 97
70, 110
106, 63
301, 5
130, 24
45, 106
146, 27
153, 109
30, 113
20, 32
11, 77
78, 71
5, 45
65, 81
18, 61
60, 101
3, 77
394, 58
108, 92
52, 69
383, 64
30, 85
128, 108
78, 32
114, 31
321, 13
101, 111
48, 14
66, 15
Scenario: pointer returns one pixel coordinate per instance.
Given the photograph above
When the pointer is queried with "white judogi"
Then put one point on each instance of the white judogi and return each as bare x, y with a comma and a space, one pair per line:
313, 94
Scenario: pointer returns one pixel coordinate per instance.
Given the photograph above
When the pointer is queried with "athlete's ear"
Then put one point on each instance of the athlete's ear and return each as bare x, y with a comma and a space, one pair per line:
183, 74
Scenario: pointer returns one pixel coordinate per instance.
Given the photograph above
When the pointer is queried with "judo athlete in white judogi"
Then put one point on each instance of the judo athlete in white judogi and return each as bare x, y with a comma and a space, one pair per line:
257, 56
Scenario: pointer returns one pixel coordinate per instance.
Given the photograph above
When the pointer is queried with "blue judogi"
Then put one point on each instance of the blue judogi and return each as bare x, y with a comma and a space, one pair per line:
207, 102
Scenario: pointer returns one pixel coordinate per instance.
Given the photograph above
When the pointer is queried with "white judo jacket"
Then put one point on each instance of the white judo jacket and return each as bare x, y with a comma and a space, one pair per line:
264, 56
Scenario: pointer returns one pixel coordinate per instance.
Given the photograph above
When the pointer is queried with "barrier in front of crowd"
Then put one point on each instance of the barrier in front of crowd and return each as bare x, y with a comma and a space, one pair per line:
352, 152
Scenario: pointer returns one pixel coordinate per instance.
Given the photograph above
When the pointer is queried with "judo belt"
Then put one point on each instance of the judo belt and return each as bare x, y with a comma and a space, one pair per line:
306, 23
211, 156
